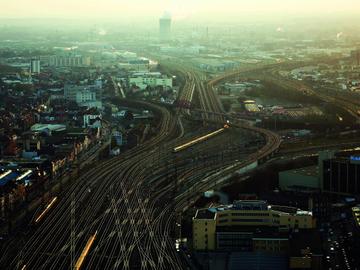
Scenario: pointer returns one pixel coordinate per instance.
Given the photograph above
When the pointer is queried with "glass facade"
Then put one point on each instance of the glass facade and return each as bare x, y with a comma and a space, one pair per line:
342, 176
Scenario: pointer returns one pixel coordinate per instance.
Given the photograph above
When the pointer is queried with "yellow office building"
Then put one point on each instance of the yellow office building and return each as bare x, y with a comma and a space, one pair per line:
238, 226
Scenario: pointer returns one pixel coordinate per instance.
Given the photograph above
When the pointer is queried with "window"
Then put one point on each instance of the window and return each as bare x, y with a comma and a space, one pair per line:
251, 214
249, 220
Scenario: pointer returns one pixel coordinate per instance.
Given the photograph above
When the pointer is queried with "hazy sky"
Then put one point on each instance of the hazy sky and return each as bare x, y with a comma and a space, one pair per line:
179, 8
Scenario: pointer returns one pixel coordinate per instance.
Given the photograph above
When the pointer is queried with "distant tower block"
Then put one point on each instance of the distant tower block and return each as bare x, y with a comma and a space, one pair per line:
165, 27
35, 66
355, 56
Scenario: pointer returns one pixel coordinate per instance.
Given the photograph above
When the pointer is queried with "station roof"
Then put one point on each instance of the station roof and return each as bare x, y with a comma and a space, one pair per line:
52, 127
14, 175
8, 176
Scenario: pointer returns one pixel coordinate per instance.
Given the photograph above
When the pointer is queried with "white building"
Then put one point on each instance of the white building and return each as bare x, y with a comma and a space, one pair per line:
143, 81
79, 92
84, 96
69, 61
165, 27
87, 98
92, 104
90, 119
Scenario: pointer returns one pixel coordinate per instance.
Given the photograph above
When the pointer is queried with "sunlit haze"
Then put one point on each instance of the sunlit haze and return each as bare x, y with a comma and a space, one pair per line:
119, 9
179, 134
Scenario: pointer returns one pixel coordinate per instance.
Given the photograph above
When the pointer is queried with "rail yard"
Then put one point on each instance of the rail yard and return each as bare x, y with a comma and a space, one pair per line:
123, 212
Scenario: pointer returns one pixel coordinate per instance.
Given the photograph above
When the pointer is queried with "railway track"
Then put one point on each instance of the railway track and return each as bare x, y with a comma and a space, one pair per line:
118, 182
132, 201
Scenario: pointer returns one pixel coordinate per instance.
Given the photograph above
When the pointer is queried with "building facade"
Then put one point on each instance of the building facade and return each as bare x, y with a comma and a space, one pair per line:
35, 66
165, 27
69, 61
341, 175
85, 96
220, 227
143, 82
81, 93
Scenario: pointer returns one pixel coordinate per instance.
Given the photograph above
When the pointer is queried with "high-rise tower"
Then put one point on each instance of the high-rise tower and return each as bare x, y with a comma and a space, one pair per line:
35, 66
165, 27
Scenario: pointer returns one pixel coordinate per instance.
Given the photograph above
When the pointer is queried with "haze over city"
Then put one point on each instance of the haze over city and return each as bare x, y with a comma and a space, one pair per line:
192, 134
204, 9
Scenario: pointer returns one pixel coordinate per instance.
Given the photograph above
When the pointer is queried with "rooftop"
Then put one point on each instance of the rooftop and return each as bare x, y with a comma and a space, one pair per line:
51, 127
205, 214
306, 171
250, 205
7, 176
258, 231
12, 175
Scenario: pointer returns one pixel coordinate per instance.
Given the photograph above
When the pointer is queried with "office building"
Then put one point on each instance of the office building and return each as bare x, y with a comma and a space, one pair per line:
341, 175
355, 57
85, 96
82, 93
69, 60
237, 225
151, 79
356, 215
35, 66
140, 65
319, 203
165, 27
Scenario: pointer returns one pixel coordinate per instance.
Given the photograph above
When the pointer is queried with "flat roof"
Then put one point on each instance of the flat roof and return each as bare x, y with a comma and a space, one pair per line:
205, 214
257, 231
306, 171
52, 127
250, 205
7, 177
